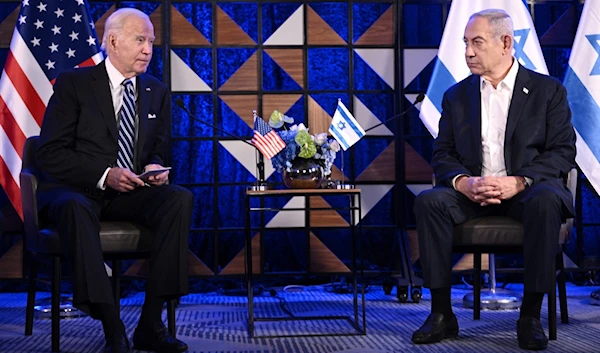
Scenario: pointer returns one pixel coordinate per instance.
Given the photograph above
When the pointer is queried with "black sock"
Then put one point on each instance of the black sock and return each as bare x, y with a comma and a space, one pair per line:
111, 322
152, 311
440, 302
532, 304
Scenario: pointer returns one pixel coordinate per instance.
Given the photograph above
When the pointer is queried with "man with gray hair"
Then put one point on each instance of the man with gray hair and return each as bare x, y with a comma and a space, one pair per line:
103, 127
505, 147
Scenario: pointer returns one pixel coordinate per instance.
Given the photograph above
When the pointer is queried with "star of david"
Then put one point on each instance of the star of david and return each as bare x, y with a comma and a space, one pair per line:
519, 45
594, 38
341, 125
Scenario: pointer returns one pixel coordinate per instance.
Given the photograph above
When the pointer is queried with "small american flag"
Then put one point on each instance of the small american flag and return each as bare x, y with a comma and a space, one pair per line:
50, 37
266, 139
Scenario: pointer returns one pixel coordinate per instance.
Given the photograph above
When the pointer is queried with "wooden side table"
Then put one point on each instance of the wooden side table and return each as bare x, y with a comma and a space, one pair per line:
358, 319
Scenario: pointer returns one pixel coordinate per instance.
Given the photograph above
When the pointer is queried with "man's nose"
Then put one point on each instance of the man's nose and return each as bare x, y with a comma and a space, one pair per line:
147, 49
469, 51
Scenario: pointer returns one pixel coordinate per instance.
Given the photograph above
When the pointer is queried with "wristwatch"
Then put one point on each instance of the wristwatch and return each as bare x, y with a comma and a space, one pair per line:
524, 181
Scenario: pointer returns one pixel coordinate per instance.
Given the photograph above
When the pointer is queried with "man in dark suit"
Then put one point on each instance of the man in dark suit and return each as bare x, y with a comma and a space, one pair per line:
505, 147
103, 126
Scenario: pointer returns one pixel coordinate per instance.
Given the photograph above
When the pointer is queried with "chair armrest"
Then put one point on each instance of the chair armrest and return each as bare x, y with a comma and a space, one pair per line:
29, 186
567, 227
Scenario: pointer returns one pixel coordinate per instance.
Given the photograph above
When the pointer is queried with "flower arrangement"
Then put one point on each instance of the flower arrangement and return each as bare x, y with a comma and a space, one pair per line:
301, 144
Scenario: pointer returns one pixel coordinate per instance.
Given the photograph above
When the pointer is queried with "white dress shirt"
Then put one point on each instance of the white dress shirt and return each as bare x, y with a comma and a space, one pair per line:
495, 103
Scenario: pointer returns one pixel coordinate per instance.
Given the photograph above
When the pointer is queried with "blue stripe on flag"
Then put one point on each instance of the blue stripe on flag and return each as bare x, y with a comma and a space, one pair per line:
350, 122
441, 80
586, 113
339, 137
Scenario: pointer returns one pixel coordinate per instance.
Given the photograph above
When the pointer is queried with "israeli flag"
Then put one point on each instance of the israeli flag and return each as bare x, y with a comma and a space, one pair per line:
344, 128
451, 67
582, 81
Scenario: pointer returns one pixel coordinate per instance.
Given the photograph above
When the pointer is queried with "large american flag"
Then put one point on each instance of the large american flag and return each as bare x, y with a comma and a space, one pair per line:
266, 139
50, 37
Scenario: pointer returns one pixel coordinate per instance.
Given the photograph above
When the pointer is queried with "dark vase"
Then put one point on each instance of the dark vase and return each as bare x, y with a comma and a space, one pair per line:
305, 173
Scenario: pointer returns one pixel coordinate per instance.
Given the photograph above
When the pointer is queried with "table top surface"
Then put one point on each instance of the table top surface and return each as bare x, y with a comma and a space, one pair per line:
302, 192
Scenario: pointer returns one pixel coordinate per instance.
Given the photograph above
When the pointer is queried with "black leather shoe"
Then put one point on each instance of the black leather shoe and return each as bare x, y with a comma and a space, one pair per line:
157, 339
435, 329
531, 334
117, 345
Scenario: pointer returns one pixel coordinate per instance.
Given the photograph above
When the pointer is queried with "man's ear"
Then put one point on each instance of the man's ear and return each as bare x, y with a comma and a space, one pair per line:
508, 42
112, 40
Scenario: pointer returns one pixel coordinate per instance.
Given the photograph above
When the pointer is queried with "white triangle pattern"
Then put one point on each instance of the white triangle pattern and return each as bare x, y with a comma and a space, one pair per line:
246, 156
381, 61
411, 98
285, 219
291, 32
184, 79
416, 189
415, 60
366, 119
370, 196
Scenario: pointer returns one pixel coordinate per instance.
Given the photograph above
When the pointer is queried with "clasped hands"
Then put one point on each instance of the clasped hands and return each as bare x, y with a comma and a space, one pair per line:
124, 180
490, 190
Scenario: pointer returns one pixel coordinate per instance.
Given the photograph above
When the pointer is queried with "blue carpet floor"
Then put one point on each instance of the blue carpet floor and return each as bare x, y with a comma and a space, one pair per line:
214, 322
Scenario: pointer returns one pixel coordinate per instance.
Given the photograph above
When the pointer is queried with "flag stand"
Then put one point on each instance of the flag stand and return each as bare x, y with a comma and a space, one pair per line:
341, 185
260, 184
344, 117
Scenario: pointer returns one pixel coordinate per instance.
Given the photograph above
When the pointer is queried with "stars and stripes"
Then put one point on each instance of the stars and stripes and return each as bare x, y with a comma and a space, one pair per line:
268, 142
50, 36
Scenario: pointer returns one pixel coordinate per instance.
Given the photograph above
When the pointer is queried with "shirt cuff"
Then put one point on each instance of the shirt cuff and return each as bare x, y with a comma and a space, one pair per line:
456, 178
102, 182
528, 180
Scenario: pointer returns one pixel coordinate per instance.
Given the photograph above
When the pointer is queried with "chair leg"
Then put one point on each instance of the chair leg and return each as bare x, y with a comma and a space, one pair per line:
477, 286
562, 289
30, 297
171, 317
116, 270
552, 306
55, 304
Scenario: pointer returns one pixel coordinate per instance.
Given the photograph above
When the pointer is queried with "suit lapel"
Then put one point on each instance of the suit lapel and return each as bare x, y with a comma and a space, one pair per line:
474, 114
519, 98
101, 89
143, 106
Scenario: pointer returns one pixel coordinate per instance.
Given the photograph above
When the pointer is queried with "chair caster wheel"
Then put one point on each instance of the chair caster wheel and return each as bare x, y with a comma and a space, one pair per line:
402, 293
416, 294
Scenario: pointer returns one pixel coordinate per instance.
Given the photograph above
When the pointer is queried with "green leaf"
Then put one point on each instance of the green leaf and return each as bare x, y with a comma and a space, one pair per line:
308, 150
276, 119
307, 146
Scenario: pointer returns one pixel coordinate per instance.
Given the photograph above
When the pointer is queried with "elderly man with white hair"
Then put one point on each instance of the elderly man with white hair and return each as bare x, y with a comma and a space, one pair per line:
104, 126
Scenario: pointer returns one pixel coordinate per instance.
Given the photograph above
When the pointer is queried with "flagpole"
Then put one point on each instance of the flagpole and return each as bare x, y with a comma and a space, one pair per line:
341, 184
260, 184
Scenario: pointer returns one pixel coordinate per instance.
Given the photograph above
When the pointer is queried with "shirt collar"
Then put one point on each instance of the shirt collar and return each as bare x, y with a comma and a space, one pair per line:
114, 76
509, 80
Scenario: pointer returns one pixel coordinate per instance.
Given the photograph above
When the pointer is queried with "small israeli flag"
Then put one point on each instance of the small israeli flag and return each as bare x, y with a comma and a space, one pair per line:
451, 66
582, 81
344, 128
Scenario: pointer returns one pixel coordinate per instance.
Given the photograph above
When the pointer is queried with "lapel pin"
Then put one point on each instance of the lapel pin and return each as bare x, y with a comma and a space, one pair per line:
525, 90
147, 89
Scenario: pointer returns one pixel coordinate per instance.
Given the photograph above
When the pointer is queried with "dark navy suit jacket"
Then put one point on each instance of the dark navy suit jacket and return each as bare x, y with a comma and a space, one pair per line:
539, 141
79, 134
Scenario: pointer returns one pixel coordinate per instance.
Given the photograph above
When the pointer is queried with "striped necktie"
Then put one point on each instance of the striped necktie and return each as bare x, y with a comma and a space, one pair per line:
126, 127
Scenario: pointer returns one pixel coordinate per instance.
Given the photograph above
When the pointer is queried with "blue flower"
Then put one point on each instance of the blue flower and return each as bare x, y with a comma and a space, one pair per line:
325, 148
